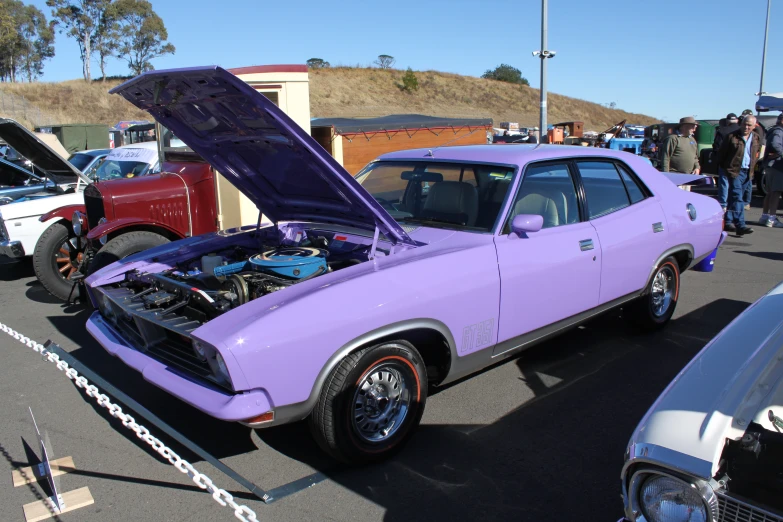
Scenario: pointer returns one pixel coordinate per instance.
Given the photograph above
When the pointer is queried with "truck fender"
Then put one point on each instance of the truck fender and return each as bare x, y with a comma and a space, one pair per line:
65, 213
118, 224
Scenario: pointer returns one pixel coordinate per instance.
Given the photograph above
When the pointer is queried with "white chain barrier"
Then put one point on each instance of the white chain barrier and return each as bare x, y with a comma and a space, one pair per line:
221, 496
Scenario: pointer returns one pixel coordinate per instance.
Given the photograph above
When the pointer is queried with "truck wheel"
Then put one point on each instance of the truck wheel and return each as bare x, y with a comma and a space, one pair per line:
371, 403
55, 259
123, 246
656, 306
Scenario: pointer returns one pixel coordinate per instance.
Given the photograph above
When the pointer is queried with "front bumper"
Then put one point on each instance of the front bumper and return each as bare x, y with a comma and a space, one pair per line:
12, 249
215, 403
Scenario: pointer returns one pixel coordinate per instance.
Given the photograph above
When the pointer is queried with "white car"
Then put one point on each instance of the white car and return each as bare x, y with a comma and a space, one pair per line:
711, 446
29, 227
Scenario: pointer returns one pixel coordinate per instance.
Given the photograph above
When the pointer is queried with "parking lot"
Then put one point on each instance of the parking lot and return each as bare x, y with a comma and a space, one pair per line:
539, 437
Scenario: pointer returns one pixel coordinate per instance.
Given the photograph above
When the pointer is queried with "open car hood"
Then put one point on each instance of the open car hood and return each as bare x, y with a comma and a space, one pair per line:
43, 157
257, 147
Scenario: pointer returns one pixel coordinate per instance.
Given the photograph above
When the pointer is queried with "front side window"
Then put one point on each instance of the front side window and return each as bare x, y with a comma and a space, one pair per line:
604, 190
547, 191
439, 194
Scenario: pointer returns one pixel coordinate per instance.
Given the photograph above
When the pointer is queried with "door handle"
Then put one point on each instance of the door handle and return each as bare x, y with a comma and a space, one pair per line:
657, 227
586, 244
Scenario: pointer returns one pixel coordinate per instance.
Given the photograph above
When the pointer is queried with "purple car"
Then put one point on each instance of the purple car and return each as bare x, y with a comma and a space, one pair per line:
425, 267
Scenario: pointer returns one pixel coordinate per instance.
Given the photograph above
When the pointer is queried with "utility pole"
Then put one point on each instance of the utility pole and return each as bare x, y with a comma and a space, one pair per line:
544, 53
764, 53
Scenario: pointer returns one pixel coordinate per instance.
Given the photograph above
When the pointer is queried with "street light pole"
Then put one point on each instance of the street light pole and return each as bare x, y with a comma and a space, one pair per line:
544, 53
764, 53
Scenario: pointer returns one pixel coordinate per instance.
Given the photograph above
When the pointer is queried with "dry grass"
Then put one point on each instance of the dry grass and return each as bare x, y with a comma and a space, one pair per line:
353, 92
76, 102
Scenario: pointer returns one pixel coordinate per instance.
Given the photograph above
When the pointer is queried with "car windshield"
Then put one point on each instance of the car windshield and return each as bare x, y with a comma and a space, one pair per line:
462, 196
80, 161
114, 169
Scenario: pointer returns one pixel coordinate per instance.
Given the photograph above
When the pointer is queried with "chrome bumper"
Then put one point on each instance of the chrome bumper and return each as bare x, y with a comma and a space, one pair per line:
12, 249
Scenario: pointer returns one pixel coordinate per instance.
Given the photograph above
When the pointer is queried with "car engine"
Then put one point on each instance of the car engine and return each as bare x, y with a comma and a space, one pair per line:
203, 288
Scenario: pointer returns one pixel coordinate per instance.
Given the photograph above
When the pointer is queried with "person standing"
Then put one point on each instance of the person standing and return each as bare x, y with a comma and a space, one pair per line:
773, 170
737, 156
679, 152
731, 123
759, 131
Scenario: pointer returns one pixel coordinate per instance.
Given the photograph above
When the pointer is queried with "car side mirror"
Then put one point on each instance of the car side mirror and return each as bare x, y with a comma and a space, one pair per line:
526, 223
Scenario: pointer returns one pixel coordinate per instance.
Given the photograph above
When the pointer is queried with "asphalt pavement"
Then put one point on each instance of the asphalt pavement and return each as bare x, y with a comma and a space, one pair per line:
539, 437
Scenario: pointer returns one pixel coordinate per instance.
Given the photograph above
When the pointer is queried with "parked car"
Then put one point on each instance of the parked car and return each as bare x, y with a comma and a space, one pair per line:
51, 241
365, 291
88, 160
711, 446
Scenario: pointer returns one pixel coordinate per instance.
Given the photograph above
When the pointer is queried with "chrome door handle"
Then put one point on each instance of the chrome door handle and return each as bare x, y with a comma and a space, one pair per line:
657, 227
586, 244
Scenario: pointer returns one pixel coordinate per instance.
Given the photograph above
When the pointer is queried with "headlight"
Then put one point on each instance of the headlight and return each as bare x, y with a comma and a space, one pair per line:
104, 238
77, 221
200, 350
222, 367
666, 499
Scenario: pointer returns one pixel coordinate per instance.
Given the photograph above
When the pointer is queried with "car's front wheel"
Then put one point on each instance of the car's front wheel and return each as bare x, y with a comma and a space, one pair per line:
656, 305
371, 403
56, 259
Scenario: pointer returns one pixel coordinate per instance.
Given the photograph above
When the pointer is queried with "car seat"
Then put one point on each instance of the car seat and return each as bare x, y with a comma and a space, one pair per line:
540, 205
452, 201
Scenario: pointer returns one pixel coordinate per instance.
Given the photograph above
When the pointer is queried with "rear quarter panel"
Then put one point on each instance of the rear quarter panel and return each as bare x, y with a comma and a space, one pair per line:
702, 234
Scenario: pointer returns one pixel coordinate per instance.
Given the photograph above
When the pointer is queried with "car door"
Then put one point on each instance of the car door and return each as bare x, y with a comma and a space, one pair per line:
549, 275
630, 224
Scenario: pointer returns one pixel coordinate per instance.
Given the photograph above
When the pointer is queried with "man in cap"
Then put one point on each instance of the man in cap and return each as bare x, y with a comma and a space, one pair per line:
737, 157
731, 124
773, 170
679, 152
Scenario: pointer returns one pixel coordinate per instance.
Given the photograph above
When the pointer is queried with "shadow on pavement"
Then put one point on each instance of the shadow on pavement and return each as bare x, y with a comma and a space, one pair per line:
13, 270
774, 256
592, 385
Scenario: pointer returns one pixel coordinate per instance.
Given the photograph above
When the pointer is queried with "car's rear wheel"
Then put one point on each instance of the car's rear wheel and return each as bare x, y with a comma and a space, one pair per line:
761, 183
656, 305
123, 246
55, 259
371, 403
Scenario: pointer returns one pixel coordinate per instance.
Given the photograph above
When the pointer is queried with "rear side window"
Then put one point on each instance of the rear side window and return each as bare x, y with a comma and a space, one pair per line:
635, 192
604, 190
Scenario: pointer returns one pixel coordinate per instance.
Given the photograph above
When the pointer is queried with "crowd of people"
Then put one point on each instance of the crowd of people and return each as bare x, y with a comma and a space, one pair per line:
740, 143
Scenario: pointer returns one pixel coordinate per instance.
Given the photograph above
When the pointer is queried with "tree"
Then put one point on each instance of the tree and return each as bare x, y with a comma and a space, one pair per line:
409, 81
80, 19
506, 73
612, 105
37, 42
26, 40
106, 39
385, 61
142, 34
317, 63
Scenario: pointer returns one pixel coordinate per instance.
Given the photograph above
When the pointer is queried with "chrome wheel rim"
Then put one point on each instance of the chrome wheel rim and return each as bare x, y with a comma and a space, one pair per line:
380, 404
662, 292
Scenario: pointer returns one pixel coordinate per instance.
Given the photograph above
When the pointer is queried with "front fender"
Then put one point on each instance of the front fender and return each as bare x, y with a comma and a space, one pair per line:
117, 224
65, 212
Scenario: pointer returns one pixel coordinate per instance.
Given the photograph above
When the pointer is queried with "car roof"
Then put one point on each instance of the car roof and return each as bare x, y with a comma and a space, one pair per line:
515, 154
94, 152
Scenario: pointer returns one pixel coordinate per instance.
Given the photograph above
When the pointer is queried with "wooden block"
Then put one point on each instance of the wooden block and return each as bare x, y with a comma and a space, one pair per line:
30, 474
43, 509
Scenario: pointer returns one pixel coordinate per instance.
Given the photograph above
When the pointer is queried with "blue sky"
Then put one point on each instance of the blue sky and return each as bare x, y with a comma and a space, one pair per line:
665, 58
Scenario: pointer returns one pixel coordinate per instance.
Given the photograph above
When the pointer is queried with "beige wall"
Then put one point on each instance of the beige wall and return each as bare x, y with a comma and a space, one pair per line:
234, 209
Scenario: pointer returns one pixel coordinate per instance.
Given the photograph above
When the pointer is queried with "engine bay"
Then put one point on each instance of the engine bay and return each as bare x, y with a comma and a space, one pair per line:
204, 287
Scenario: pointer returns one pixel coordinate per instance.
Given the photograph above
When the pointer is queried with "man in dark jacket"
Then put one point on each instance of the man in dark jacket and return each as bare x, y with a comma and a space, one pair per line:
729, 126
773, 170
737, 157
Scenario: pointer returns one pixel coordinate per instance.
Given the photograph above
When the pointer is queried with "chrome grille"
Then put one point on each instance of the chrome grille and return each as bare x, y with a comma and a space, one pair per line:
93, 203
732, 510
